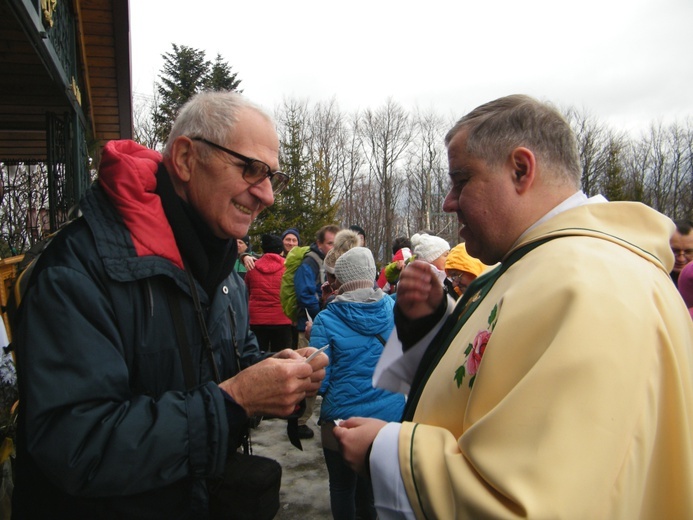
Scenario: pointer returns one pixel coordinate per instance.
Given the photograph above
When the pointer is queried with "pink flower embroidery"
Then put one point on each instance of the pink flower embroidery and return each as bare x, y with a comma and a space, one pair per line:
478, 348
475, 351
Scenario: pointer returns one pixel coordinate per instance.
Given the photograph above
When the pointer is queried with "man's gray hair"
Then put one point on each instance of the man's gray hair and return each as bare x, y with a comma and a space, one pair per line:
497, 127
212, 115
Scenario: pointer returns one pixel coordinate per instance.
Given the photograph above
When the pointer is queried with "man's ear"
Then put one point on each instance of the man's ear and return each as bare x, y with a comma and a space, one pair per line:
524, 167
183, 157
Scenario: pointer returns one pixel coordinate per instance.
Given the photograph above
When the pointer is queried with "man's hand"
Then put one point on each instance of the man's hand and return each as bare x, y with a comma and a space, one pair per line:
355, 437
318, 363
419, 292
275, 385
249, 262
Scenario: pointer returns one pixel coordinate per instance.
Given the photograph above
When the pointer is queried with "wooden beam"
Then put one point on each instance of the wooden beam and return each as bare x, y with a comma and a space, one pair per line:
87, 102
121, 27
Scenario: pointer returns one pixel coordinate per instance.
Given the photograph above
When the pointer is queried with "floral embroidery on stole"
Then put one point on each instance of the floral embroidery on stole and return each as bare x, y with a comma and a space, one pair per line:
475, 351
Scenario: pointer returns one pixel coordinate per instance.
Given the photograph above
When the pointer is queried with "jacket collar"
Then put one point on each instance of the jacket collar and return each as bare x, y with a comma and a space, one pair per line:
210, 259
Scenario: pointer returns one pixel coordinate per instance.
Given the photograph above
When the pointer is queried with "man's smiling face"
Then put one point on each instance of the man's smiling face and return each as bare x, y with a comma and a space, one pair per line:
217, 190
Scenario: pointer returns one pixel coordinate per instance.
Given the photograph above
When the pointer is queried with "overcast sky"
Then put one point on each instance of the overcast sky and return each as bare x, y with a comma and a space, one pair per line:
627, 62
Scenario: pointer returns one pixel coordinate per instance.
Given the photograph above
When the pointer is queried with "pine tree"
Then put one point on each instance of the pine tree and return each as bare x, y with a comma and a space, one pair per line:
186, 72
297, 206
183, 75
290, 209
614, 182
221, 78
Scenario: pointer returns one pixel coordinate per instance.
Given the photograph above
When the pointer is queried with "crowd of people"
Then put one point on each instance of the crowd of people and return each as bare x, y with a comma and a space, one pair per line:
544, 357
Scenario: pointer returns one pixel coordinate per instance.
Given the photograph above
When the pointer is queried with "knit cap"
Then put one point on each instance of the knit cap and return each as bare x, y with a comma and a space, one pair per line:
271, 244
429, 247
292, 231
459, 259
343, 241
355, 269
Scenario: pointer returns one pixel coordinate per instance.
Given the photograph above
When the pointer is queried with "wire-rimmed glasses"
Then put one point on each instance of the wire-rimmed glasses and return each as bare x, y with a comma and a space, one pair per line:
254, 171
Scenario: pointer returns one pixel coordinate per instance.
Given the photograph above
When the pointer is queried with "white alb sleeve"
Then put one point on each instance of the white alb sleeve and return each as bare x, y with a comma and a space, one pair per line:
391, 499
396, 369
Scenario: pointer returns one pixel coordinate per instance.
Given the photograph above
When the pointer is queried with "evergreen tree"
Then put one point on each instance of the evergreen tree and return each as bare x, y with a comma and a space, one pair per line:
290, 208
183, 75
614, 181
221, 78
186, 72
297, 206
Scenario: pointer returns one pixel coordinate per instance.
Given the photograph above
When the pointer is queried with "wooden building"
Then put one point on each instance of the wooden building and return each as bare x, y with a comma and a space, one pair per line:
65, 89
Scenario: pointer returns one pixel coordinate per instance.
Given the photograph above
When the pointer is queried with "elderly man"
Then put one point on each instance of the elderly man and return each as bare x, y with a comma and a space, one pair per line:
561, 384
134, 329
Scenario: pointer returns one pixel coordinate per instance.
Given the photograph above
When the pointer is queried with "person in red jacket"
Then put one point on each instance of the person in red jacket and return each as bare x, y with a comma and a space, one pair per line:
267, 320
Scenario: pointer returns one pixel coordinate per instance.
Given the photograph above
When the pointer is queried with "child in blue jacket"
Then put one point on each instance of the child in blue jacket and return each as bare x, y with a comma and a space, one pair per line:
355, 325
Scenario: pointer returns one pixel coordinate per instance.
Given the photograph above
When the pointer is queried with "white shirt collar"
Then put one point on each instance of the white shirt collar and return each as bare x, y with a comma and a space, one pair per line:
576, 199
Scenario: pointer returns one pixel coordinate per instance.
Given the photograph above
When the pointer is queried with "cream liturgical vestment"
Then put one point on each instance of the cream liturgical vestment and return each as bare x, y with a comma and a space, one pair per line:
568, 393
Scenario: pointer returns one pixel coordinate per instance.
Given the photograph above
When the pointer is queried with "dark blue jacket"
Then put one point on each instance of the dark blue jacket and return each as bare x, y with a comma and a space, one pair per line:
307, 284
107, 428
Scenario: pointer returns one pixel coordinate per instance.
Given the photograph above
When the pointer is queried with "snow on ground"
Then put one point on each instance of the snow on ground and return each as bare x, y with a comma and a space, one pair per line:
305, 490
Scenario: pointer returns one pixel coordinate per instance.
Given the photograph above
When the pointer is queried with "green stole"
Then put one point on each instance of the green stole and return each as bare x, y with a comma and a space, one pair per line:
464, 309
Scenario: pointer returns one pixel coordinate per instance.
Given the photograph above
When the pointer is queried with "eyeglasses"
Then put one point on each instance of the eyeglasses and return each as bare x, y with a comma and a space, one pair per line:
458, 279
254, 171
688, 253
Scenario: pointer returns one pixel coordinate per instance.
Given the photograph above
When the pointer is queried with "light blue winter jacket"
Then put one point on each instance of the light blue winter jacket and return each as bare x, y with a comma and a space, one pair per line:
350, 324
